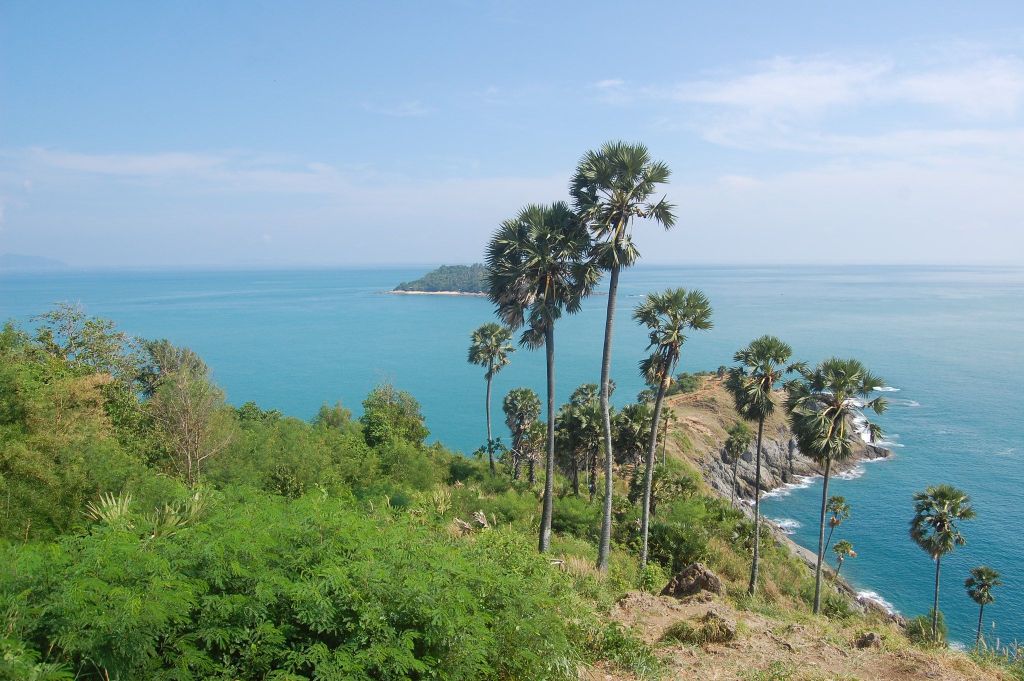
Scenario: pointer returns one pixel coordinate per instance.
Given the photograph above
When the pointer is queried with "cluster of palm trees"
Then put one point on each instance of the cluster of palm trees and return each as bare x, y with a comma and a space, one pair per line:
545, 261
935, 527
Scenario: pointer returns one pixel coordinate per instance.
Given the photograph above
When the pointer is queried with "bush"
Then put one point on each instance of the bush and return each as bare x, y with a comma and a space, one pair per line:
577, 517
709, 629
263, 586
919, 630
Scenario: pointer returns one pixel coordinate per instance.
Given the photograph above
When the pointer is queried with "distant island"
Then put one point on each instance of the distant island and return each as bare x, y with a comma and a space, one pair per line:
449, 280
13, 262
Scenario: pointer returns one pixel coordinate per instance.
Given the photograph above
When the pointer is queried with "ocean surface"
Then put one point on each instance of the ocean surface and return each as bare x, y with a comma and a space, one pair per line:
946, 340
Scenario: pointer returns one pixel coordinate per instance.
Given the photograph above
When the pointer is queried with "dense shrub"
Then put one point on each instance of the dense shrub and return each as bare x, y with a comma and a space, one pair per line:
919, 629
263, 587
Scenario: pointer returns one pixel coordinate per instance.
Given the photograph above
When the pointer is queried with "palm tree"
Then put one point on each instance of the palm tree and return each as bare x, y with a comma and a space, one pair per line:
522, 409
538, 267
739, 438
632, 426
611, 187
762, 364
979, 587
843, 550
825, 407
668, 316
935, 528
839, 511
489, 347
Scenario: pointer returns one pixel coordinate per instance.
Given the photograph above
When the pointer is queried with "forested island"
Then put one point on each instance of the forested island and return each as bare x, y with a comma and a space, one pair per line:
450, 279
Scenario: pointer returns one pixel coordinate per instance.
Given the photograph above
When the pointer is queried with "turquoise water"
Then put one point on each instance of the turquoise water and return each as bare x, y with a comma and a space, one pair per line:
947, 338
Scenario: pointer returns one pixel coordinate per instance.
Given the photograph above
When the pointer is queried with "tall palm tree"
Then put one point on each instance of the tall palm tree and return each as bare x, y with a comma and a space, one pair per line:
490, 348
610, 188
843, 550
739, 438
668, 316
539, 268
979, 587
522, 409
752, 384
838, 511
935, 528
826, 407
632, 427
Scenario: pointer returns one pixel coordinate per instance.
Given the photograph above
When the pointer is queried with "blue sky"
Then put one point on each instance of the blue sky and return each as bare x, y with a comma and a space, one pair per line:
285, 134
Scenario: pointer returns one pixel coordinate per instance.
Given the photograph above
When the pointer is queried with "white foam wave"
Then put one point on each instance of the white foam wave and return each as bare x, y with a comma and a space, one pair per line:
787, 525
803, 482
905, 403
875, 597
851, 474
888, 444
886, 389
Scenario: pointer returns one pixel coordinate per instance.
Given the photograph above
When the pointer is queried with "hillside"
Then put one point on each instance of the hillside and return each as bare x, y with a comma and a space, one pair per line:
465, 279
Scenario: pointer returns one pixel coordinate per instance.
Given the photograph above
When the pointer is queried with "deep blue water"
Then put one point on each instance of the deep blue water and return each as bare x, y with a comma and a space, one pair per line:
947, 338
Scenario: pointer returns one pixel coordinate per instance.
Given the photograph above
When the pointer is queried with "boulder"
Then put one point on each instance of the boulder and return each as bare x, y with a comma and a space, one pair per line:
868, 639
693, 579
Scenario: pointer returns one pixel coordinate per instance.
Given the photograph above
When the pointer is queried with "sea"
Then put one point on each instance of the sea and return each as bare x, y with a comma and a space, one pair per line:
947, 341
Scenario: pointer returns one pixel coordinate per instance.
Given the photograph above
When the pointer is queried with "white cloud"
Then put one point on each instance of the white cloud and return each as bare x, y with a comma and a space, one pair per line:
609, 83
125, 164
987, 88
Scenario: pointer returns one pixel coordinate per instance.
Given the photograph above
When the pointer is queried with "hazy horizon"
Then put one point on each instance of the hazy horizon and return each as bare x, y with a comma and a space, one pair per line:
330, 135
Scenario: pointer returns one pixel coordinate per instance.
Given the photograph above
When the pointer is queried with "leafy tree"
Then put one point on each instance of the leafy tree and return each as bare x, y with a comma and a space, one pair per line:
668, 316
610, 188
632, 429
336, 416
935, 527
191, 417
823, 406
752, 384
538, 270
580, 431
522, 409
89, 342
738, 439
162, 359
391, 415
979, 587
461, 278
843, 550
532, 447
490, 348
839, 512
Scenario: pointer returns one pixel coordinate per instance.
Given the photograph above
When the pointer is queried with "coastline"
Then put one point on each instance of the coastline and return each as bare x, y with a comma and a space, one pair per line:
471, 294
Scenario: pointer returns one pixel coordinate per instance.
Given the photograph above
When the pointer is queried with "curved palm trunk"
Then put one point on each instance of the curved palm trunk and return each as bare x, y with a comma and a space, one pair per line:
977, 637
490, 440
838, 568
755, 565
831, 529
652, 448
606, 419
549, 467
935, 603
821, 538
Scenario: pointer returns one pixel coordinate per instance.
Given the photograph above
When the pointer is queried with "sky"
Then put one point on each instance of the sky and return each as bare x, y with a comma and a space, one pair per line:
371, 133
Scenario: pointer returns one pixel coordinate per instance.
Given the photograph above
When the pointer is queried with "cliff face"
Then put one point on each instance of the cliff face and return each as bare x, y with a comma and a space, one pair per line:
698, 435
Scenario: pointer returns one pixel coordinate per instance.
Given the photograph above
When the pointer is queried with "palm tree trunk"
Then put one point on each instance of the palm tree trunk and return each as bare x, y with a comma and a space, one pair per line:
977, 637
935, 603
838, 568
735, 470
664, 443
490, 441
575, 474
831, 529
606, 418
549, 468
821, 538
593, 476
652, 448
755, 565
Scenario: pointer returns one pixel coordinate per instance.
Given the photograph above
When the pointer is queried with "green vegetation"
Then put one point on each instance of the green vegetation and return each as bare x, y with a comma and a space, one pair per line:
762, 364
823, 406
737, 441
450, 278
490, 348
610, 188
935, 528
668, 316
979, 587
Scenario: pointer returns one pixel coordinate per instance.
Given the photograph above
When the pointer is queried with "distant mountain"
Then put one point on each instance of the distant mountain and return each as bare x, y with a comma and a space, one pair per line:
13, 262
449, 279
